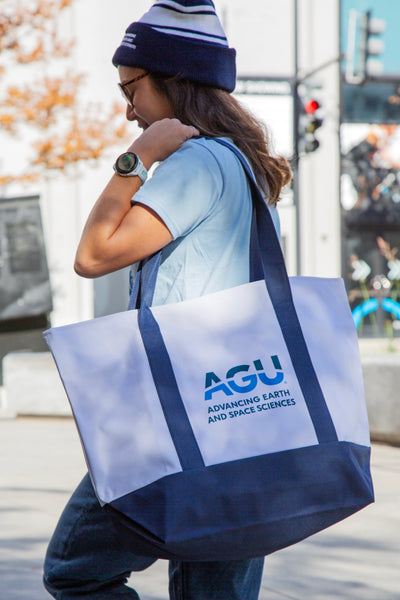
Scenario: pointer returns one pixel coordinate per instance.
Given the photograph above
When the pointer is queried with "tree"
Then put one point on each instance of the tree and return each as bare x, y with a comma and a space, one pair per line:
63, 131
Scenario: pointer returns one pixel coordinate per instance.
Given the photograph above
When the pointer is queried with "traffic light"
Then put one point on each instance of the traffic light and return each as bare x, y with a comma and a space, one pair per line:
364, 45
371, 45
310, 121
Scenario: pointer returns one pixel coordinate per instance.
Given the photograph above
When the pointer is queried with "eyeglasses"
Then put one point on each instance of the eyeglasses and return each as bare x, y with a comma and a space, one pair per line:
127, 95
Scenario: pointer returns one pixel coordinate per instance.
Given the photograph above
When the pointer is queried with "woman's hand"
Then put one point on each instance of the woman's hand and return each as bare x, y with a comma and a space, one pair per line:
161, 139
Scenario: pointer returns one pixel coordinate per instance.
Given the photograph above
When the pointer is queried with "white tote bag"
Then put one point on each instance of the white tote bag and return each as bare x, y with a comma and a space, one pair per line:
226, 426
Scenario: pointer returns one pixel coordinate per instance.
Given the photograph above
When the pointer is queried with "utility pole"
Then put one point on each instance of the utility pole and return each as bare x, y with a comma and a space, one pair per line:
296, 158
316, 162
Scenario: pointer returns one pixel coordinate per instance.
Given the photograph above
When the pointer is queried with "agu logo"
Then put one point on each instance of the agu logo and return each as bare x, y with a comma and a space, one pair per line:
242, 385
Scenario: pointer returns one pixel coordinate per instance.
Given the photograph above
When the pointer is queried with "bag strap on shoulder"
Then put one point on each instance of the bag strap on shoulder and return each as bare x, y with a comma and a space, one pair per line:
277, 282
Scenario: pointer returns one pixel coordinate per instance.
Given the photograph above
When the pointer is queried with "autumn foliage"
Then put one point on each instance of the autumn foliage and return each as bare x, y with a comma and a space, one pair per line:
65, 130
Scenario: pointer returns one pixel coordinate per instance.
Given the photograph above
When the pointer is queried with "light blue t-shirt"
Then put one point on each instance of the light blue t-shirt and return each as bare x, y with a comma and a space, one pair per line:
201, 194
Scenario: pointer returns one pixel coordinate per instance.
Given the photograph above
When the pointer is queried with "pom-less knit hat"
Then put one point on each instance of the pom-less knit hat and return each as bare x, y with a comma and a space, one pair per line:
183, 38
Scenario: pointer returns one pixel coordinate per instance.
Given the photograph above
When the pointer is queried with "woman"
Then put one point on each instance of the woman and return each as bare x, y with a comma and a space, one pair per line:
176, 73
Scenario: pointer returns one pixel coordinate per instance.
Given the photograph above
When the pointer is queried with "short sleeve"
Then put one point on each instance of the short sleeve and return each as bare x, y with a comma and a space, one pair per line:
184, 188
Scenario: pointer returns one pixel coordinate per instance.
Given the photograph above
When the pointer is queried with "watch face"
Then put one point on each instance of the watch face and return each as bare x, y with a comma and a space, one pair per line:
126, 162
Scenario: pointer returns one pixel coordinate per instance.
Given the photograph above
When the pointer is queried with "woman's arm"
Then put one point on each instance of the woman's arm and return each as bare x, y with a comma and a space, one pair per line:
116, 233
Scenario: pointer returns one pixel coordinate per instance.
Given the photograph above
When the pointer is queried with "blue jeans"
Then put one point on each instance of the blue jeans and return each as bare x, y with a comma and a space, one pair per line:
92, 556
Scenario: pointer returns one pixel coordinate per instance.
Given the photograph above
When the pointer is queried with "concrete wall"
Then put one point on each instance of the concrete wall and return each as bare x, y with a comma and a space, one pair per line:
382, 394
32, 386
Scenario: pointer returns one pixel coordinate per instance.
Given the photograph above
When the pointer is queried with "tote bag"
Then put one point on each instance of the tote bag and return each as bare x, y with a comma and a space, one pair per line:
226, 426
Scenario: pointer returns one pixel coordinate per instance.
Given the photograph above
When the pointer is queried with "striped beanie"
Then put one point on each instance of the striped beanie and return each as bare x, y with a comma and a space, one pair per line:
183, 38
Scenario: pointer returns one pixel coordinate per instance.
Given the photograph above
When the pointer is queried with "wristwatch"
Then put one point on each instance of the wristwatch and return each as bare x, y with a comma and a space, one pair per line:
129, 164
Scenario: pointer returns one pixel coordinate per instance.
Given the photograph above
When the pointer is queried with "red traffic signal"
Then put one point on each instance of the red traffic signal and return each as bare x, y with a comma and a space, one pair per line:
311, 106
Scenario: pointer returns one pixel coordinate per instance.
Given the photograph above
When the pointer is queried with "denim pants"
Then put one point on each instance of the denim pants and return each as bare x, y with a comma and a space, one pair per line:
92, 556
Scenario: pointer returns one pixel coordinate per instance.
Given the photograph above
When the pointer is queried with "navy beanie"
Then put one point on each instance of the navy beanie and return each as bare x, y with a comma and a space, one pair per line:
183, 38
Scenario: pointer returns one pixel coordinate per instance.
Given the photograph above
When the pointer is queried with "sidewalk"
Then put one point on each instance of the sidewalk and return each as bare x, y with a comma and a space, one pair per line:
41, 462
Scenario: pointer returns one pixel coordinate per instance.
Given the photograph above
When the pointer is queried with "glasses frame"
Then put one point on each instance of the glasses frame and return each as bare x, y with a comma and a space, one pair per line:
128, 97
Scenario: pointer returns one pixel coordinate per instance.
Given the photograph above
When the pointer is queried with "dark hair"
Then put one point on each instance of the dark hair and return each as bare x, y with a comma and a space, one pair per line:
216, 113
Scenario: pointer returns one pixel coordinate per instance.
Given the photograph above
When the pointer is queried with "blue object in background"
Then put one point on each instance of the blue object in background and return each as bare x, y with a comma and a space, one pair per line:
364, 309
392, 307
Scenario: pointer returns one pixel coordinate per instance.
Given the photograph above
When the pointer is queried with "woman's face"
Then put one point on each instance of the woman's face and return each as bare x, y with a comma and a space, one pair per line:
147, 103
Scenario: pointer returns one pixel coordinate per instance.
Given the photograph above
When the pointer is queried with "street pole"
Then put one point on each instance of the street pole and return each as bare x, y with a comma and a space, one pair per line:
296, 158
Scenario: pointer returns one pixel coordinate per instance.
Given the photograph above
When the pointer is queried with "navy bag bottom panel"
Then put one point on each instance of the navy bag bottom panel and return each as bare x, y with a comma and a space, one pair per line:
250, 507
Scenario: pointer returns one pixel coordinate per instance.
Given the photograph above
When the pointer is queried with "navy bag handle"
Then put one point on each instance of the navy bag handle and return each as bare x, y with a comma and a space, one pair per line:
266, 262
